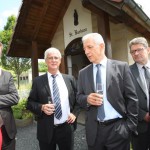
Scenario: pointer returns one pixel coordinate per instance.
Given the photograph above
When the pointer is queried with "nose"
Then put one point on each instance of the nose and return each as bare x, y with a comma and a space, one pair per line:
86, 51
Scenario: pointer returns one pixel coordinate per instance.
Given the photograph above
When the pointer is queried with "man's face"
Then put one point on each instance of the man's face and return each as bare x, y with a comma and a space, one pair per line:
53, 61
140, 53
93, 51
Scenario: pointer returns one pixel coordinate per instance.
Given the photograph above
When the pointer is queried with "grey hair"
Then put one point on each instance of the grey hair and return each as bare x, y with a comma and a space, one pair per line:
1, 45
98, 39
52, 50
138, 40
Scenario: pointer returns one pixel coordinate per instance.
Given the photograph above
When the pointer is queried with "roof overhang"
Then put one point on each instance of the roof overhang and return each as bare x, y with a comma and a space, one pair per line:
38, 21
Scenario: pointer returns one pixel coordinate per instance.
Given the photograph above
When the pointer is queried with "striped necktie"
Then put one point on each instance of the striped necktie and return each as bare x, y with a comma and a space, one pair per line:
56, 98
101, 112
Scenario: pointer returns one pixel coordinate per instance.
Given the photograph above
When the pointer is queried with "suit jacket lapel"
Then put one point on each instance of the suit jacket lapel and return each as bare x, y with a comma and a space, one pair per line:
90, 77
109, 73
137, 77
46, 84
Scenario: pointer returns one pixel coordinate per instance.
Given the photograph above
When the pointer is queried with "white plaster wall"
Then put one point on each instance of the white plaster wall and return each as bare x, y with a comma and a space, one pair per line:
118, 41
120, 37
58, 40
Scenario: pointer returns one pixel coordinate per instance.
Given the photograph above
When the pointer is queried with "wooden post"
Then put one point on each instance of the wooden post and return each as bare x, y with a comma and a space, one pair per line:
34, 60
62, 65
104, 30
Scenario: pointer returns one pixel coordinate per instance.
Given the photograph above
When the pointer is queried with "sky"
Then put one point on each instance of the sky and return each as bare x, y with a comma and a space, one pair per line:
11, 7
8, 8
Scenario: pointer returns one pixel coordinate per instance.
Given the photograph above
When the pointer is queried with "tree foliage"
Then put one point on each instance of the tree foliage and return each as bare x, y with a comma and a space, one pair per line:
16, 64
42, 67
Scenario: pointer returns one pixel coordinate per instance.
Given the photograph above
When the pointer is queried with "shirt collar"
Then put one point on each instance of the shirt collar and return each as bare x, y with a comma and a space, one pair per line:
103, 62
49, 74
146, 65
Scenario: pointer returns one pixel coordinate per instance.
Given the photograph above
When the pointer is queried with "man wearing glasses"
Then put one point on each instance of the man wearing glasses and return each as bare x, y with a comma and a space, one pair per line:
140, 50
53, 100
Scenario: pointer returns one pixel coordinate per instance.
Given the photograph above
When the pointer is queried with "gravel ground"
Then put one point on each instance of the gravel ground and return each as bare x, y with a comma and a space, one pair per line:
26, 138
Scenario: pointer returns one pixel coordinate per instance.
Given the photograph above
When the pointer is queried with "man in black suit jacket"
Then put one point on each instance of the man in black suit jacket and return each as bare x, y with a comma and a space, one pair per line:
140, 51
8, 98
119, 98
50, 130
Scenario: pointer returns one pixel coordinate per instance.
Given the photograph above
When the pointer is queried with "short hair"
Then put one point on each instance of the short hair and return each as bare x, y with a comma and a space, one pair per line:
98, 39
52, 50
138, 40
1, 45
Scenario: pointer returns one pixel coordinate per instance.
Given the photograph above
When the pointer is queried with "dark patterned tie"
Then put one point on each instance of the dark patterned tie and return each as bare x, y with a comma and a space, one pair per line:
147, 78
56, 98
101, 113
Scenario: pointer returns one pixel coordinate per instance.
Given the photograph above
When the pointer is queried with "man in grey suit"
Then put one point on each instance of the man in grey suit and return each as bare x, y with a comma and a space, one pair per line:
56, 120
119, 99
140, 51
8, 98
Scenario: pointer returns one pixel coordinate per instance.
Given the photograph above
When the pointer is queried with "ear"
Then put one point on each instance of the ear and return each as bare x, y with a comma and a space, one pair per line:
148, 49
102, 46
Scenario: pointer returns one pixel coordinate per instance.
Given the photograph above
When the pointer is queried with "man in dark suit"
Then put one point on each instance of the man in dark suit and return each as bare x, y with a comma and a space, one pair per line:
54, 130
140, 51
110, 129
8, 98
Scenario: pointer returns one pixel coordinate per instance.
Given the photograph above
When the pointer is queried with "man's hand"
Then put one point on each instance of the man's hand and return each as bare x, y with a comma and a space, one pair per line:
147, 117
95, 99
48, 109
71, 118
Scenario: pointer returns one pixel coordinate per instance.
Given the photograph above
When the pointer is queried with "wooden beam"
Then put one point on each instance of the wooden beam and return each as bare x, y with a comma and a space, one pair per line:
44, 11
34, 60
61, 15
104, 30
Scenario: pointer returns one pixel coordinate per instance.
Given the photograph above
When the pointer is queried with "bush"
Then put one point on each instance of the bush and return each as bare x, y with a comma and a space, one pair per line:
20, 111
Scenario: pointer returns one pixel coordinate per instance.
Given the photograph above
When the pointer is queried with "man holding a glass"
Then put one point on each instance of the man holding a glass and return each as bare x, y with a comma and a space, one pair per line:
106, 90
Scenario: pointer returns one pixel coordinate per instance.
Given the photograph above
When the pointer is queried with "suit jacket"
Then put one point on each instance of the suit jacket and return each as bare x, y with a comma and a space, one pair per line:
120, 93
39, 95
8, 98
142, 125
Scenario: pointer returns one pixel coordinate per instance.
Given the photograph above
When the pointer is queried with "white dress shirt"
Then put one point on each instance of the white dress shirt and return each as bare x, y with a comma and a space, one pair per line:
63, 91
110, 112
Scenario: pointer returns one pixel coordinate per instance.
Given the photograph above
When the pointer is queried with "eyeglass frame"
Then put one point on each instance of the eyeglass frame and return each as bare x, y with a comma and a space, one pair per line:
137, 50
52, 58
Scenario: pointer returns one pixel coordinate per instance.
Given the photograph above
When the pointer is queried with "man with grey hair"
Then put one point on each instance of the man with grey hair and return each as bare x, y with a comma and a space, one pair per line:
8, 97
53, 100
111, 113
140, 51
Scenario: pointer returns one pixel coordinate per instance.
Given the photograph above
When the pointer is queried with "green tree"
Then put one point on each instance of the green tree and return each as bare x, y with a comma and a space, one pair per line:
42, 67
16, 64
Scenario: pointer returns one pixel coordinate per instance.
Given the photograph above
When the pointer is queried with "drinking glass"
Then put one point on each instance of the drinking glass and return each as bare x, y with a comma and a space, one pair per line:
99, 88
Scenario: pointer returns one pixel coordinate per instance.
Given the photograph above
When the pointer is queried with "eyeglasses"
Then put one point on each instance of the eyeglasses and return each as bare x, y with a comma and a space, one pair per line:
52, 58
137, 50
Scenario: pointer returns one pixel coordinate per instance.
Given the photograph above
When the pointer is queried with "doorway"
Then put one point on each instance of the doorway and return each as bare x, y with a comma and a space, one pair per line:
75, 57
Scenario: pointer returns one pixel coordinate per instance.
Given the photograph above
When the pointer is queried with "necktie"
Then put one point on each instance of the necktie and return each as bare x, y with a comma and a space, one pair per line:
56, 98
101, 113
147, 78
